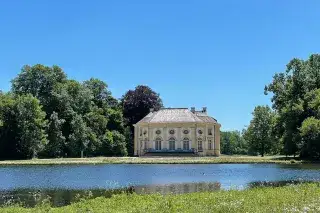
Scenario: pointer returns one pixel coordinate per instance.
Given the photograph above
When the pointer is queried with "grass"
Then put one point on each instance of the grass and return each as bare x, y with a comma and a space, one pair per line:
294, 198
155, 160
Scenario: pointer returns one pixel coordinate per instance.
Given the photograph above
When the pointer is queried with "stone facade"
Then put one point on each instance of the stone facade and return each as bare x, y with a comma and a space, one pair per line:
177, 130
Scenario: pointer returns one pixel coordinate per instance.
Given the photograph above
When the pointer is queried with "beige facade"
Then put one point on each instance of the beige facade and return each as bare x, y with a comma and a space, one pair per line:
177, 130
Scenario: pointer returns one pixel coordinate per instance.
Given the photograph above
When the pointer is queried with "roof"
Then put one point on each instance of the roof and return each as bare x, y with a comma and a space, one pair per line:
205, 118
177, 115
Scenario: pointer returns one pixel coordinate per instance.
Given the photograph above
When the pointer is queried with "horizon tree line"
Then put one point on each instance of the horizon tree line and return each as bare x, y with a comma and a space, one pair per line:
47, 115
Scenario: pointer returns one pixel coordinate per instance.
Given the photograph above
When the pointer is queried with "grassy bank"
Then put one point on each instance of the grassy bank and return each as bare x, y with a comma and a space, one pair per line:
297, 198
154, 160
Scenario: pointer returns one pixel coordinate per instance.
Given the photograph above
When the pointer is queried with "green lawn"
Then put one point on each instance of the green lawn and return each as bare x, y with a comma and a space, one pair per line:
154, 160
296, 198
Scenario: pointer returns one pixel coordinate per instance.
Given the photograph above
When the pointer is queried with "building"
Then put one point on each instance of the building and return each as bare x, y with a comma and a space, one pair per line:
177, 130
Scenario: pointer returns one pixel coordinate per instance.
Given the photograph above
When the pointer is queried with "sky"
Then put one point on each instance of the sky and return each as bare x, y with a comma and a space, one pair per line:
218, 54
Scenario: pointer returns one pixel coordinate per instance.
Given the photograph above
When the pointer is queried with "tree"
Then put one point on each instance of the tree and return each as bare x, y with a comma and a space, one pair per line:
136, 104
291, 93
113, 144
101, 95
116, 121
96, 123
119, 144
56, 140
22, 134
48, 115
8, 144
78, 139
106, 147
258, 134
39, 80
31, 126
310, 132
232, 142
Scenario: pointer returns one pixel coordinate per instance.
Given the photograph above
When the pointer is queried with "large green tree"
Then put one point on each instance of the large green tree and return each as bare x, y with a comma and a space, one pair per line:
39, 80
292, 93
22, 134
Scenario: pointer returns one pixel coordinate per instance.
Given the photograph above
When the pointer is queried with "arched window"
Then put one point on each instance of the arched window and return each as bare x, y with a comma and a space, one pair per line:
200, 145
172, 144
158, 144
186, 144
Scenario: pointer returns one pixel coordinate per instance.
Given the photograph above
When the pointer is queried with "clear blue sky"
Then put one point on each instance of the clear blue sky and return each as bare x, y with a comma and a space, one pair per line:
218, 54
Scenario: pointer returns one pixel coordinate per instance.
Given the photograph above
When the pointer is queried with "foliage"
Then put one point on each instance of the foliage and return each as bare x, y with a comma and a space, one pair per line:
259, 132
310, 132
101, 95
48, 115
295, 98
78, 139
38, 80
233, 142
294, 198
52, 116
22, 134
119, 144
136, 104
56, 140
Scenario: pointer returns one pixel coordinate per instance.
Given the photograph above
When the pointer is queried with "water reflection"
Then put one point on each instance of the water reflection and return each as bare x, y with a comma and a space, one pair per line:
177, 188
62, 197
66, 184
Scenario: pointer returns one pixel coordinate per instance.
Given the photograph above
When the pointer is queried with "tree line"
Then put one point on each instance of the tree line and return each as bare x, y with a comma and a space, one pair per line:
47, 115
292, 125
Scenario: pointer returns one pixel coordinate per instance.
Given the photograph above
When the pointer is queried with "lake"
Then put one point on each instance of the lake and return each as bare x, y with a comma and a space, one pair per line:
67, 183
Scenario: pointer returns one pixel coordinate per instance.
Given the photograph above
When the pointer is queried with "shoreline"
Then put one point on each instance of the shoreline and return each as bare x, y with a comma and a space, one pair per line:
158, 160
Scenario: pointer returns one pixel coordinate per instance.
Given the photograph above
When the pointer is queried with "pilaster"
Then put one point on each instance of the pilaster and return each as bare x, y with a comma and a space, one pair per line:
217, 140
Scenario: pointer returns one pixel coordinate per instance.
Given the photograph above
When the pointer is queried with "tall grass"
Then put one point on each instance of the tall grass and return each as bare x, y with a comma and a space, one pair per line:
295, 198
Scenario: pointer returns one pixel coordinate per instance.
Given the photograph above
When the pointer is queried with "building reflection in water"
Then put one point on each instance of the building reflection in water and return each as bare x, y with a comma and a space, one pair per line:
62, 197
179, 188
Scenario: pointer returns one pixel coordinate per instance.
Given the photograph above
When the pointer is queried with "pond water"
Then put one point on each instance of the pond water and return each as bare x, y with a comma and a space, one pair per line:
67, 183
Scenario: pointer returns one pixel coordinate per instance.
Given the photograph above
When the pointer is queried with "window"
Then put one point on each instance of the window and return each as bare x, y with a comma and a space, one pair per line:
199, 145
158, 144
210, 145
210, 131
185, 144
172, 144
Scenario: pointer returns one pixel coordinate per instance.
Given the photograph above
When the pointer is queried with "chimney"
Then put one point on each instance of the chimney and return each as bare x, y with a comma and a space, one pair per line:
204, 109
151, 109
193, 109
